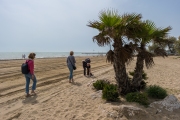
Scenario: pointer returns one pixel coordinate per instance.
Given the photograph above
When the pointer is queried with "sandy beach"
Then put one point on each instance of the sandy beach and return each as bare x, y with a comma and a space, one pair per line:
57, 99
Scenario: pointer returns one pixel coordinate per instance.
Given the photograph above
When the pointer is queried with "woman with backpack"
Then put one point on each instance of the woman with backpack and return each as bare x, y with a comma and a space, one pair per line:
30, 75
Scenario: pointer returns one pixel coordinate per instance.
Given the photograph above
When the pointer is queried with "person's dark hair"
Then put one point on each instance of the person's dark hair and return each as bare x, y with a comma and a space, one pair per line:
71, 53
32, 55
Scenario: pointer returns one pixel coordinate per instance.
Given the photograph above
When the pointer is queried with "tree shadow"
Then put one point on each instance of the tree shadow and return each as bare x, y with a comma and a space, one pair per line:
30, 100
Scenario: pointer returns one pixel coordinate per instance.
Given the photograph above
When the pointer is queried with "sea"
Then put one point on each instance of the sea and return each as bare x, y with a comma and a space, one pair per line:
19, 55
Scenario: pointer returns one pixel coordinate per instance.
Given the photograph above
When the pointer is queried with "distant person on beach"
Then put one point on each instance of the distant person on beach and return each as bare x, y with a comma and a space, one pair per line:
30, 75
87, 66
23, 56
70, 62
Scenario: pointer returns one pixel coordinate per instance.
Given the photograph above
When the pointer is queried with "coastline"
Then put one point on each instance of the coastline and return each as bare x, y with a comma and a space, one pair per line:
46, 58
18, 55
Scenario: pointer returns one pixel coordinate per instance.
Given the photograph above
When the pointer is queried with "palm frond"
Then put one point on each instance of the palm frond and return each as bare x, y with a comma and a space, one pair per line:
96, 25
102, 39
110, 56
130, 25
160, 35
134, 47
109, 18
126, 54
130, 18
148, 59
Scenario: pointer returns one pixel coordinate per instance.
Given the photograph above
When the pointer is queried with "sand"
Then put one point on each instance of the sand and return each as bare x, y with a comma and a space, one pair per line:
57, 99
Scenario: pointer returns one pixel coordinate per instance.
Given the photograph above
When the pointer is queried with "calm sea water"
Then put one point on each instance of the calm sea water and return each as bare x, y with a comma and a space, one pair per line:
18, 55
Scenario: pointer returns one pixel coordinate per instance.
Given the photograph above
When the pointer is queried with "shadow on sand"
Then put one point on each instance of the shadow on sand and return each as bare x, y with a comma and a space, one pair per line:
76, 83
30, 100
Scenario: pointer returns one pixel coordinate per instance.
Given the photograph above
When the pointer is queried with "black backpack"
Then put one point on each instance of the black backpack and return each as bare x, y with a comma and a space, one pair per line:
24, 68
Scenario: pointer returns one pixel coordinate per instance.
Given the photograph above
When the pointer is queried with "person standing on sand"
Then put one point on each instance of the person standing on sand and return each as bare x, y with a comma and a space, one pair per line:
70, 62
30, 75
86, 65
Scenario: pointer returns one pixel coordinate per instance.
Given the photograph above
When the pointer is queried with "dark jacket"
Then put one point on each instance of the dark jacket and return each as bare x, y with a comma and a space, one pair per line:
84, 62
71, 60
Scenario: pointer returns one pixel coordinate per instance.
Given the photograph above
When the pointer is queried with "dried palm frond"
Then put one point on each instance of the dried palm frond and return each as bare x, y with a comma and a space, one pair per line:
134, 47
125, 54
148, 59
102, 39
110, 56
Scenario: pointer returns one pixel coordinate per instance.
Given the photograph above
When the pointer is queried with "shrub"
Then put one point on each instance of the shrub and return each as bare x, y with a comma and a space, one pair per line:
131, 73
110, 92
140, 98
144, 75
99, 84
143, 85
155, 91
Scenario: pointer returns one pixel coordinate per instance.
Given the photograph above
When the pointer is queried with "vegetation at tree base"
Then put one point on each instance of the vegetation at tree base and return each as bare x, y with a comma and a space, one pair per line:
100, 84
144, 75
155, 91
140, 98
110, 92
142, 83
128, 35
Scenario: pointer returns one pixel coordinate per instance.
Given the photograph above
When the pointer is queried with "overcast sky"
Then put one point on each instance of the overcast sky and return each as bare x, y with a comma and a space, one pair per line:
61, 25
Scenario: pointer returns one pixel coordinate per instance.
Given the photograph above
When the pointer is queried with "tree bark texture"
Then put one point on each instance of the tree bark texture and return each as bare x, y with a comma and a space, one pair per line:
120, 70
137, 78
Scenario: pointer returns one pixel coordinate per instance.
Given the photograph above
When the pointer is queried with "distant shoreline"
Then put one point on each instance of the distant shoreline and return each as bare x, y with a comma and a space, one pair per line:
44, 58
94, 53
18, 56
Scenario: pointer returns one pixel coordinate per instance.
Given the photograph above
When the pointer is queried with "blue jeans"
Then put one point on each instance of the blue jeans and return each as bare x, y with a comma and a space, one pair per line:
28, 77
71, 72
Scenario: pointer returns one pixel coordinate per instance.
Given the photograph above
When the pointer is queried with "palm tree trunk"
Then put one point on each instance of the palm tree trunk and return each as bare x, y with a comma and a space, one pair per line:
120, 71
137, 78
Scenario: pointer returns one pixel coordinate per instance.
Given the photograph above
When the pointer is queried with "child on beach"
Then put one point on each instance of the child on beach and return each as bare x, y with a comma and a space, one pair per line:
30, 75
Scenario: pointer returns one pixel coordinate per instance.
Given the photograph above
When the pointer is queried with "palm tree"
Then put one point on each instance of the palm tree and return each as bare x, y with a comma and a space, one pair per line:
114, 28
148, 34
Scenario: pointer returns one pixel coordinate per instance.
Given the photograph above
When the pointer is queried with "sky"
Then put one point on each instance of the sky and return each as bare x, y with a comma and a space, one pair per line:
61, 25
